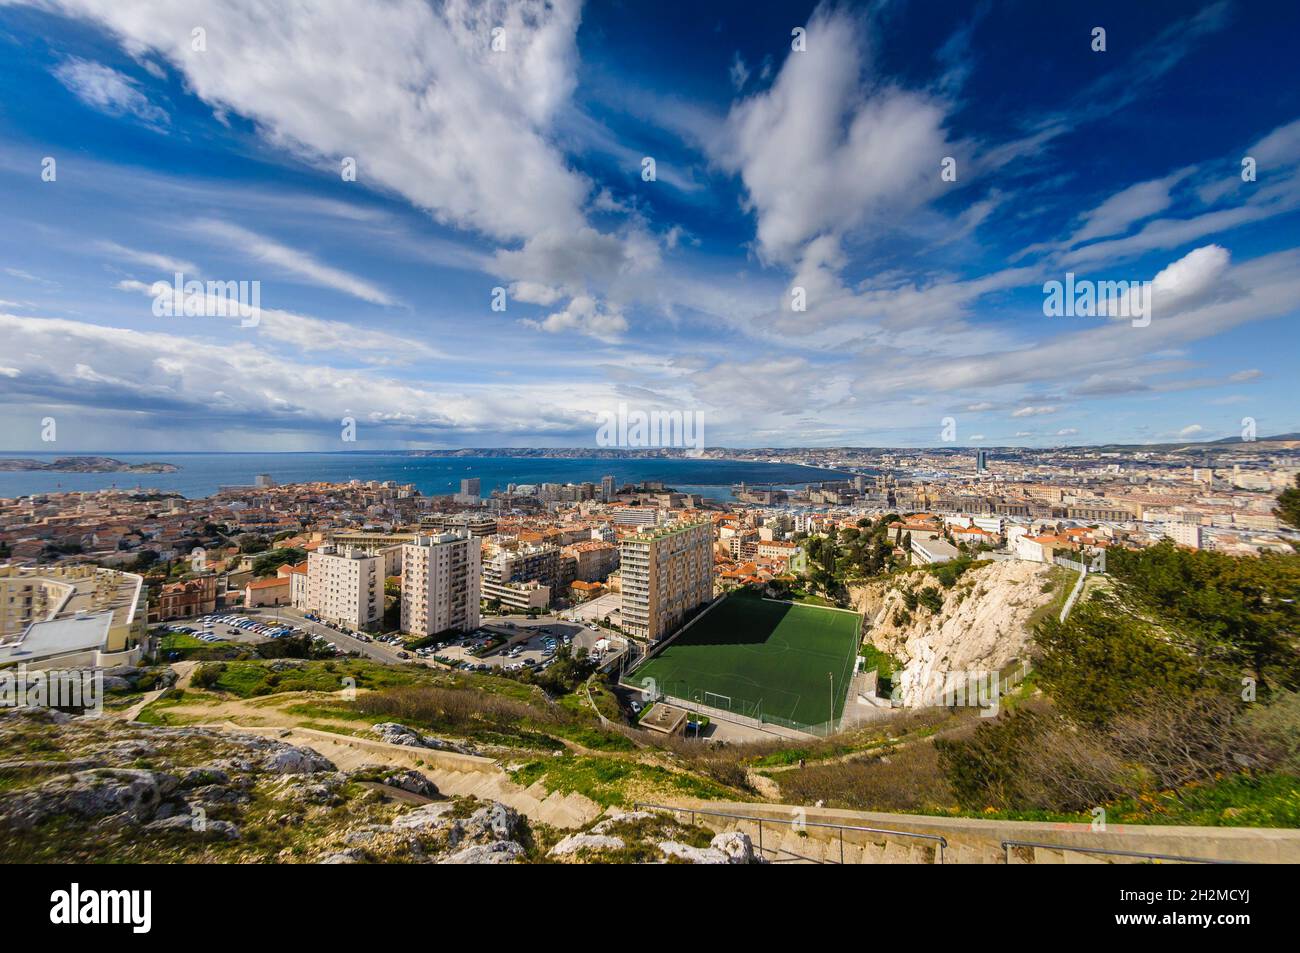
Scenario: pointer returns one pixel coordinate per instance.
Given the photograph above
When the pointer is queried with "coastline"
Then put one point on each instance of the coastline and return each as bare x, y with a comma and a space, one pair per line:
201, 474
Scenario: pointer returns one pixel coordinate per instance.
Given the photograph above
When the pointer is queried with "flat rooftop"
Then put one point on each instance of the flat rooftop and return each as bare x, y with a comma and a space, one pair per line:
664, 718
58, 637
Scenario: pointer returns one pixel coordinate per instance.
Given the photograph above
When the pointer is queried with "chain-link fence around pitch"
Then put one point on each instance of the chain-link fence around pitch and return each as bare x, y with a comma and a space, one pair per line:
741, 710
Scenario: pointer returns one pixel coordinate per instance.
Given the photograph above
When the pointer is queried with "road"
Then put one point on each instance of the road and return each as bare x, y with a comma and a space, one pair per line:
377, 651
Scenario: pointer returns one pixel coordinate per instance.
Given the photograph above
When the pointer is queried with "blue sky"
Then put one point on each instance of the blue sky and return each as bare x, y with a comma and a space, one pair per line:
521, 168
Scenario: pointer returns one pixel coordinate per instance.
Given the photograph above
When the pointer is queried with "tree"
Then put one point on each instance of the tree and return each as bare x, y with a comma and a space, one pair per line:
144, 560
268, 563
931, 599
1288, 505
250, 543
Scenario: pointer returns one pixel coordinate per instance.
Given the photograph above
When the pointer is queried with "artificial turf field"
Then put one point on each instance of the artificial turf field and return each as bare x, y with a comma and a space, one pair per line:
763, 658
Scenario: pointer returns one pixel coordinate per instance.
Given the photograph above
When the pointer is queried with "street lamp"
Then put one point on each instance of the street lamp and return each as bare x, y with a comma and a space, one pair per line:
831, 676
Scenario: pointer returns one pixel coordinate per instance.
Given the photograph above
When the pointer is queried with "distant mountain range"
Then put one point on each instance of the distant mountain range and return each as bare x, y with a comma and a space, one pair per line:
715, 453
84, 465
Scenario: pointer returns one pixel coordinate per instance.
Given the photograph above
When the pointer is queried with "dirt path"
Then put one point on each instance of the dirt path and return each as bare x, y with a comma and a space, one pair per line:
454, 775
184, 674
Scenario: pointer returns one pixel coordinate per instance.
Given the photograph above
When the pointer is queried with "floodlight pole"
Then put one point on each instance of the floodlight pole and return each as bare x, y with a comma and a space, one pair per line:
831, 675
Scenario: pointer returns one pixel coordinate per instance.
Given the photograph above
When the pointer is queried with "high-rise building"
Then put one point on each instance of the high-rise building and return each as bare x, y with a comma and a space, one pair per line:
440, 584
470, 491
981, 461
345, 586
461, 524
606, 488
522, 578
666, 573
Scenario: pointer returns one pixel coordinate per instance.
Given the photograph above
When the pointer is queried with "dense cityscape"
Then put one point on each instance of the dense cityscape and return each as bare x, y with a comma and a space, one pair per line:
562, 434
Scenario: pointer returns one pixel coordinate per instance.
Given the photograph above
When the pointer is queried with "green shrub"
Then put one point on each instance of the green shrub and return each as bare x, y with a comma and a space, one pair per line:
931, 599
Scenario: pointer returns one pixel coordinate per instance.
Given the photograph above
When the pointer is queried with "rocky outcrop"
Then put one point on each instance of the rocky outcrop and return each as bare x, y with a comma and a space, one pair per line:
101, 786
500, 852
435, 834
982, 625
411, 781
575, 843
732, 847
395, 734
108, 790
287, 759
130, 794
652, 837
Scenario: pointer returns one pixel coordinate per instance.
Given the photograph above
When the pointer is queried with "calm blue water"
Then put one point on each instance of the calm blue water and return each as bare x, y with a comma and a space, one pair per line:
202, 473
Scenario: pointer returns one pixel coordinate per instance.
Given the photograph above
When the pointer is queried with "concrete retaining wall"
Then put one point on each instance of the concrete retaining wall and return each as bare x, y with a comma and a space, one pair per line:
1249, 844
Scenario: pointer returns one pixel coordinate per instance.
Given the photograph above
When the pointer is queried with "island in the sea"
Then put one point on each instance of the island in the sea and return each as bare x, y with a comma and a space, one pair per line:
84, 465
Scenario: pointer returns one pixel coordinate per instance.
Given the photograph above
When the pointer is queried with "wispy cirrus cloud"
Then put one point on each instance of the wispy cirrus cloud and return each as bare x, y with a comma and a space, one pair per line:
109, 91
308, 333
294, 261
157, 260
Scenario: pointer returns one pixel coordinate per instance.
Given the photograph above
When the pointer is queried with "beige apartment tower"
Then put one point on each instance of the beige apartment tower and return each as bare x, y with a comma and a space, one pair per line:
345, 586
440, 584
667, 572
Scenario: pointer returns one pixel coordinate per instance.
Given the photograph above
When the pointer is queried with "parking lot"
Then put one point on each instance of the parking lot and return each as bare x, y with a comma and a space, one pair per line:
532, 644
609, 605
235, 628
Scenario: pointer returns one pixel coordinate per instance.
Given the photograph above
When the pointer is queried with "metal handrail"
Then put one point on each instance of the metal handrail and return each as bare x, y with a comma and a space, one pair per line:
938, 838
1008, 844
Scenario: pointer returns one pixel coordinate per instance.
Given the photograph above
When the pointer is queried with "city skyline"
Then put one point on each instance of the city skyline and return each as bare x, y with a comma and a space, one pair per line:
813, 162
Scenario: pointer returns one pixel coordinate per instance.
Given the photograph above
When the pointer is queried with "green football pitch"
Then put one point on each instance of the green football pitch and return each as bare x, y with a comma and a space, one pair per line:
760, 658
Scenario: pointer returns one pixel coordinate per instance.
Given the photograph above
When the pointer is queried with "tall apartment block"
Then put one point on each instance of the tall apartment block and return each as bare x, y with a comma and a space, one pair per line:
524, 578
667, 571
345, 586
470, 491
440, 584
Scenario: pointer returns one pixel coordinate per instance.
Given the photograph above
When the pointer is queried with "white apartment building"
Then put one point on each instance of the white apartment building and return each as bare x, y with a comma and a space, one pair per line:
345, 586
440, 584
666, 572
1184, 534
636, 516
932, 549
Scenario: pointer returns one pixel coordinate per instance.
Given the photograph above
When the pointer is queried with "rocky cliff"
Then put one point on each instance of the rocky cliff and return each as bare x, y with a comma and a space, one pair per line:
80, 790
981, 623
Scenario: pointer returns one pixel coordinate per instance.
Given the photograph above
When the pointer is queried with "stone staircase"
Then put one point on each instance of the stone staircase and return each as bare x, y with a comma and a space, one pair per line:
783, 843
567, 811
796, 835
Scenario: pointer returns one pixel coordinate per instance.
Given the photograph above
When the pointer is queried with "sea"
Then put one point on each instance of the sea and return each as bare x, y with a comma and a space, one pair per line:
200, 474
